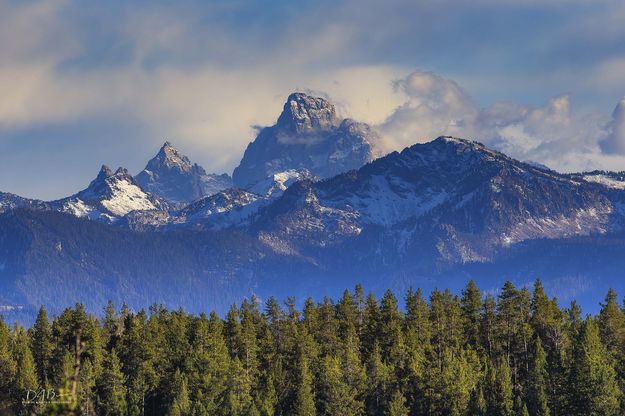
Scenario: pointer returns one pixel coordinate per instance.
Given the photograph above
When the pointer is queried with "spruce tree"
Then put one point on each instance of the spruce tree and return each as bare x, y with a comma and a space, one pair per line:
477, 402
8, 368
611, 321
304, 398
488, 325
537, 383
238, 394
25, 374
371, 325
397, 405
500, 400
181, 405
337, 397
379, 379
42, 345
111, 399
390, 330
471, 302
593, 389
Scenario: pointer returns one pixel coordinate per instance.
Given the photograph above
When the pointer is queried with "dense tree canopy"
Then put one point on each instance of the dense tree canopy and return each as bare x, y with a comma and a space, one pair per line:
518, 353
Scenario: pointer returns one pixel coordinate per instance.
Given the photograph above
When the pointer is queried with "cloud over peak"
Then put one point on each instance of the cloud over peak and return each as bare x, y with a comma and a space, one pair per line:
615, 141
553, 133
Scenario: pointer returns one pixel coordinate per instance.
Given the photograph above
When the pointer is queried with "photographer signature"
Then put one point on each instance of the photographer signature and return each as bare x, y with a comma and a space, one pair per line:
45, 396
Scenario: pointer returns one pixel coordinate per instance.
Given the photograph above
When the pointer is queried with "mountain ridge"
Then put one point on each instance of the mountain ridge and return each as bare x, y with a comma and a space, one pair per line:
444, 209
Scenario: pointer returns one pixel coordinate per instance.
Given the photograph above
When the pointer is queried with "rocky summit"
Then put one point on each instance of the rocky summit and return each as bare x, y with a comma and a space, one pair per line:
308, 135
172, 176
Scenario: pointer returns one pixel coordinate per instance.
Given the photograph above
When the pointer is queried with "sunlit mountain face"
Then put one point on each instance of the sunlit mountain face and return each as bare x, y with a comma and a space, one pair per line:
310, 215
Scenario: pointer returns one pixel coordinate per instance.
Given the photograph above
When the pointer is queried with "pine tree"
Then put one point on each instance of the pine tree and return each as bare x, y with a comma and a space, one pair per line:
520, 408
238, 394
390, 330
397, 405
181, 405
371, 325
42, 345
8, 368
418, 348
537, 383
471, 304
379, 378
247, 343
328, 330
611, 321
25, 375
112, 327
304, 398
488, 325
500, 401
137, 357
337, 397
593, 386
477, 402
110, 386
209, 361
513, 329
449, 387
198, 406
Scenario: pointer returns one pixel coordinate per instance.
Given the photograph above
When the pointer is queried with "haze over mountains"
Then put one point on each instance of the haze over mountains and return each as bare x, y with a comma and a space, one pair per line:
308, 211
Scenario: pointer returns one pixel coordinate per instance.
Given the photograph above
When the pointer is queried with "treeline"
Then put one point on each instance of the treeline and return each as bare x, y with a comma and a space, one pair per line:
515, 354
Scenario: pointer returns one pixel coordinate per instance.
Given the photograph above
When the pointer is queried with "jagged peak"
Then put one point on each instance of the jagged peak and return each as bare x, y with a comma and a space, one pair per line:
304, 113
104, 172
169, 157
121, 171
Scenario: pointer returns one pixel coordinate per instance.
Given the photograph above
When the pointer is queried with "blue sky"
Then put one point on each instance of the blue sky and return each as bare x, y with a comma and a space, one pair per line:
86, 83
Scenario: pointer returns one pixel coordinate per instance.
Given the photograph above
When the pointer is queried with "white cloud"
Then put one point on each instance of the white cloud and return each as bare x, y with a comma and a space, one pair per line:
614, 143
551, 134
201, 76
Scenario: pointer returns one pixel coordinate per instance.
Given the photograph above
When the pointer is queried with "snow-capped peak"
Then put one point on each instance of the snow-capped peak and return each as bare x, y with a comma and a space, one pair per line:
109, 195
172, 176
169, 157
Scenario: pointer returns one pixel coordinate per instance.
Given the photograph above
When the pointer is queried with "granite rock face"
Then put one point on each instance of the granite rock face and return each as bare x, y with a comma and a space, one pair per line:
307, 136
172, 176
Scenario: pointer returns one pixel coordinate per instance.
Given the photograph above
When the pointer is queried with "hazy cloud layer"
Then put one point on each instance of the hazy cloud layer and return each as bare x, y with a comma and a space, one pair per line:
552, 133
88, 83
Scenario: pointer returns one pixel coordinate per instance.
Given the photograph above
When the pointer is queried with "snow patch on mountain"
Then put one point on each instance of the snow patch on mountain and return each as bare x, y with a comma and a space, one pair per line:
275, 185
78, 208
605, 181
592, 220
126, 197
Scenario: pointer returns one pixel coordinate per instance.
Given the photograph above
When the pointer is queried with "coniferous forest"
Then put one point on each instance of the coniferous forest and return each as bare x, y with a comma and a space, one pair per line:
517, 353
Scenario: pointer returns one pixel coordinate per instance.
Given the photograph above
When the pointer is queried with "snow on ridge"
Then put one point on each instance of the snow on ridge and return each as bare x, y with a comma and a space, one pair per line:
77, 208
605, 181
583, 221
276, 184
384, 206
126, 197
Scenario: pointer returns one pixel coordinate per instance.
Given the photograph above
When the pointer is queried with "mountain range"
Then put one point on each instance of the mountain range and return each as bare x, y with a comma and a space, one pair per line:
309, 211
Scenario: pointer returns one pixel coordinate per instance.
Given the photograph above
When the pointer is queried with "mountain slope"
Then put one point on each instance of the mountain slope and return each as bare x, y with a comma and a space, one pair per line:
110, 196
453, 199
308, 135
444, 210
57, 259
